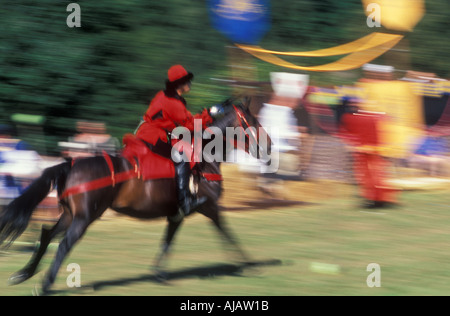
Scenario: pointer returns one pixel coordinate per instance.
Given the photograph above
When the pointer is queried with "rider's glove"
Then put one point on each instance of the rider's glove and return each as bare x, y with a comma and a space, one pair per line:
216, 112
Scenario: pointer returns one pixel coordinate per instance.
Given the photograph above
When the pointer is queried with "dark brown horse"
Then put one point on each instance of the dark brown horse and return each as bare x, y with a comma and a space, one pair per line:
134, 197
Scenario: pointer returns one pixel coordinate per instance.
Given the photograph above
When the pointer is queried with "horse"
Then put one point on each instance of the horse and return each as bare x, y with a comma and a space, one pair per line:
129, 195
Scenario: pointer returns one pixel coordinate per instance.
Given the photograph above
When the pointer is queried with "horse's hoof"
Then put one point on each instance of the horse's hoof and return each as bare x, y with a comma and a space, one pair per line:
45, 290
19, 277
37, 291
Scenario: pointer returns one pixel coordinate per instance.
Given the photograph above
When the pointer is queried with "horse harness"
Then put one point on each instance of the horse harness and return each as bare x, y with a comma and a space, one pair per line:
115, 178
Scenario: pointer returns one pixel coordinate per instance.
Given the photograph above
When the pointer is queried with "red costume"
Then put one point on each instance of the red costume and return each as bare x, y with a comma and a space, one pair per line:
370, 167
166, 112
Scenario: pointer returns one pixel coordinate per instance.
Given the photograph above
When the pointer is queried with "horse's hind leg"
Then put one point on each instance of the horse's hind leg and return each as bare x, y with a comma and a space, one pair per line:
74, 233
46, 237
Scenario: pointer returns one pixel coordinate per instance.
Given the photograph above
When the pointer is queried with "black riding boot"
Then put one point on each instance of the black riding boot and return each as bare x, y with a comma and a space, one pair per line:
186, 201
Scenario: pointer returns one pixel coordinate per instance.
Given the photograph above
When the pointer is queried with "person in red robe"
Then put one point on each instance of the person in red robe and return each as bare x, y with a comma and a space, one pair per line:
362, 132
167, 111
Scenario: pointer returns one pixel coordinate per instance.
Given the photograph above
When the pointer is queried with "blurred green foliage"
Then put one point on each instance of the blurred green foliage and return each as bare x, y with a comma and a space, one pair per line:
110, 68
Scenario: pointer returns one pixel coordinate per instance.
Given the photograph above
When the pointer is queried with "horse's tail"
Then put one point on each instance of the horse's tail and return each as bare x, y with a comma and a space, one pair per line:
15, 217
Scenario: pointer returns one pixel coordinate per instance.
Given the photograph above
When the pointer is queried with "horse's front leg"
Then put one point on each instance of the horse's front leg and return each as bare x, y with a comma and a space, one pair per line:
159, 264
212, 212
231, 240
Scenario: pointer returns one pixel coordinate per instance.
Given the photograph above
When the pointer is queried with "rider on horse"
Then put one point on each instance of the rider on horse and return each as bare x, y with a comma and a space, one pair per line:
167, 111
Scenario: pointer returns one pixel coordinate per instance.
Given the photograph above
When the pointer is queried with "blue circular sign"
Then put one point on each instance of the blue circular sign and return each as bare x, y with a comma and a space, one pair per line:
242, 21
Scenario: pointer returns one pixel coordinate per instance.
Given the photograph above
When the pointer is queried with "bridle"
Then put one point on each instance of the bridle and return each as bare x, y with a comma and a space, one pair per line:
243, 121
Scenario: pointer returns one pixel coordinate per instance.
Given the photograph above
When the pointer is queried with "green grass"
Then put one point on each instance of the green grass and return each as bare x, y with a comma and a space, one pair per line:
410, 243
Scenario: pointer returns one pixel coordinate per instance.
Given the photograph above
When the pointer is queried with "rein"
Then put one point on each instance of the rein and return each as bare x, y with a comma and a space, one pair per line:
243, 119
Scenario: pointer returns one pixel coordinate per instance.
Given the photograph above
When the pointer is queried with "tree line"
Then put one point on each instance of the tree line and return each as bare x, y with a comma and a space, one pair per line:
109, 68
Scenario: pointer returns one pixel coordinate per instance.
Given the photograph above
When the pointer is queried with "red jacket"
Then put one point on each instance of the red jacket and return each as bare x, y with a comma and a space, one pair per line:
361, 129
165, 113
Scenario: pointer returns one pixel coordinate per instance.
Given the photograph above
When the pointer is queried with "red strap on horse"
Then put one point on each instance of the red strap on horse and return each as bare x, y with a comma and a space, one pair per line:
212, 176
98, 184
102, 182
110, 166
242, 118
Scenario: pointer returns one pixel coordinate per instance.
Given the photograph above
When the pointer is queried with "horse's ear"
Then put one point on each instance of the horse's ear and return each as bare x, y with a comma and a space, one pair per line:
227, 103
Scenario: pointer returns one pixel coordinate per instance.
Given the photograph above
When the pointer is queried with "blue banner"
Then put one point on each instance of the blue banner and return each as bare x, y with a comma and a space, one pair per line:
242, 21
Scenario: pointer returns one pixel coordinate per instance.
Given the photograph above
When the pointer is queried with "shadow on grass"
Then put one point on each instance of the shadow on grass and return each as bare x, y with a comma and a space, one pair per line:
204, 272
265, 204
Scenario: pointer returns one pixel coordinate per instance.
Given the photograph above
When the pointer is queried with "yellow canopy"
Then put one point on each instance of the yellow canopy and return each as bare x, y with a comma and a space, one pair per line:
359, 53
369, 41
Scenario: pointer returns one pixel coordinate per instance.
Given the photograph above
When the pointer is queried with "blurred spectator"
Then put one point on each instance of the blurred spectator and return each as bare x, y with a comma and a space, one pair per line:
283, 114
402, 107
361, 129
15, 160
278, 113
277, 116
8, 142
90, 140
304, 124
374, 72
431, 155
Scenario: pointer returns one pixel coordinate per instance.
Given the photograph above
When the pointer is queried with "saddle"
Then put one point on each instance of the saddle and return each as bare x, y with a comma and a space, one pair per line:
149, 165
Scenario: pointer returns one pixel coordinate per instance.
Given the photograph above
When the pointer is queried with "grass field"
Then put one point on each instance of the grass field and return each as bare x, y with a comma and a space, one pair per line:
320, 248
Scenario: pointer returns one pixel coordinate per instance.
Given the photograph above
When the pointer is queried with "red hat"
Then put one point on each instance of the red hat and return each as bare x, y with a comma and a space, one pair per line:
177, 72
